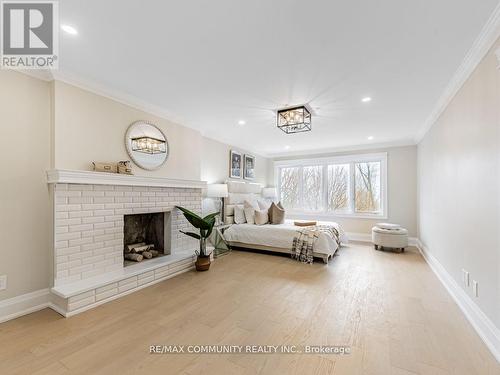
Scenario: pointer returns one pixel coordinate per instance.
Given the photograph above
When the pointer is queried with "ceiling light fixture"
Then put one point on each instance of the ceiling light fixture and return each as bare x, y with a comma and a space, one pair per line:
69, 29
287, 147
241, 122
294, 120
366, 99
370, 138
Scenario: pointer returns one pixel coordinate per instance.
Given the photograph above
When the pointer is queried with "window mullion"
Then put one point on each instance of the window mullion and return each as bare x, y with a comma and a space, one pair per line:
278, 182
301, 188
325, 188
352, 187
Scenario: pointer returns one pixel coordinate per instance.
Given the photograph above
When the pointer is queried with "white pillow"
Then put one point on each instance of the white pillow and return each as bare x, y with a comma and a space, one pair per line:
249, 215
251, 203
263, 204
239, 214
249, 212
261, 217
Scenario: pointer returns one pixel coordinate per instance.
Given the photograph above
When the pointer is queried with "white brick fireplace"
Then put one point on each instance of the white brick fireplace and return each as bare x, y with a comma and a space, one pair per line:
89, 209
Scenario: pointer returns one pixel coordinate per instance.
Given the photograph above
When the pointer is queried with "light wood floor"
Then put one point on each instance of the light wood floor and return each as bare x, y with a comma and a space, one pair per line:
389, 308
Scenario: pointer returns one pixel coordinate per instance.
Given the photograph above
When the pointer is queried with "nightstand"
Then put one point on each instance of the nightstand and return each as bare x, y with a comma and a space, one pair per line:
218, 241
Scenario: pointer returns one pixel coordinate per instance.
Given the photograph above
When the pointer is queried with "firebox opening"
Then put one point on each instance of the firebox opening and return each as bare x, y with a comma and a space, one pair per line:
145, 237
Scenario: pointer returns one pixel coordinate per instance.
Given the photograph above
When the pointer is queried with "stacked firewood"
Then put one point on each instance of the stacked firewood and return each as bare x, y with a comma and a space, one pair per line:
139, 251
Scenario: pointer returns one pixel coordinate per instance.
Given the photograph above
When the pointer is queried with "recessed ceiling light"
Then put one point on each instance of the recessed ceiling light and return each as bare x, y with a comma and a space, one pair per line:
287, 147
366, 99
69, 29
370, 138
241, 122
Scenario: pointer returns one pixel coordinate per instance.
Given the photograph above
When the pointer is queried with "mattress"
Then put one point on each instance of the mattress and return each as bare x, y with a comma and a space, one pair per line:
280, 235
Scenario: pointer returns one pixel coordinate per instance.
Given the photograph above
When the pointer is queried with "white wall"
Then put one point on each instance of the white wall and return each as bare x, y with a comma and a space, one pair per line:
215, 168
402, 190
215, 163
458, 179
25, 219
57, 125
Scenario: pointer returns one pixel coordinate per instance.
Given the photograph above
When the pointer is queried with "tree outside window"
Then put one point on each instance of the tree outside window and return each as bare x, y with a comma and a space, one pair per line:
289, 189
367, 194
338, 187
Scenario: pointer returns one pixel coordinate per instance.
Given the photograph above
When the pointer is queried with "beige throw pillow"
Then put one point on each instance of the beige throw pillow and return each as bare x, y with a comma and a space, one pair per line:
277, 213
239, 215
261, 217
249, 213
251, 203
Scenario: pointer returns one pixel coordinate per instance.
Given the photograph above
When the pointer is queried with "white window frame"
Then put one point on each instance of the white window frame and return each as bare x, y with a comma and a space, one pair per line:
325, 162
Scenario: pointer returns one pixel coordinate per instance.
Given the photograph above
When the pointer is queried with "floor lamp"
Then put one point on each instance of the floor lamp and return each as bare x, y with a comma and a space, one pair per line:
218, 192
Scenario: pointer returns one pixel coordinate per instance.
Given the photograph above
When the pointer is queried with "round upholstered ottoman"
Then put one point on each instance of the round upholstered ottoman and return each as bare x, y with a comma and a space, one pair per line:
392, 236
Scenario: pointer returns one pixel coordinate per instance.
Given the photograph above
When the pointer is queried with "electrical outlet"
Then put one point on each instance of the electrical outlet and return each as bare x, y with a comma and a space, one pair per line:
3, 282
474, 288
466, 278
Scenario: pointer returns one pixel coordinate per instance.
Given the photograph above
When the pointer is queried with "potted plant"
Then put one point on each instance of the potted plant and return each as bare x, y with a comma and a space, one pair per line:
205, 225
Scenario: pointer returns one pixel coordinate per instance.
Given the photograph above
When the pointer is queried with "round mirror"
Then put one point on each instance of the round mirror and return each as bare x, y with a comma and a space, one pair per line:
146, 145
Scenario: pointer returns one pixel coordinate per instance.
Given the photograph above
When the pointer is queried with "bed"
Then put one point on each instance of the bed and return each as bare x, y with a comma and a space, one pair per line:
270, 237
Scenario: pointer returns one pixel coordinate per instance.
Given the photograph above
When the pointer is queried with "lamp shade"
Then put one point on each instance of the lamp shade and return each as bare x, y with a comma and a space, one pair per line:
217, 191
269, 192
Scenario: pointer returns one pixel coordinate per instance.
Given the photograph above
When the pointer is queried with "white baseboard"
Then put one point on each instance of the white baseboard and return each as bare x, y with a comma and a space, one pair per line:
24, 304
484, 327
28, 303
361, 237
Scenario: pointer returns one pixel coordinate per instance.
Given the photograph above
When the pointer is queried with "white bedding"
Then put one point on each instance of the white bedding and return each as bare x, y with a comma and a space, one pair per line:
280, 235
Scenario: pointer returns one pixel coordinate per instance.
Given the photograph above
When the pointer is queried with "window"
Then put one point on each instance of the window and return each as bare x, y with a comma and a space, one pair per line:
338, 187
342, 186
367, 194
312, 182
289, 192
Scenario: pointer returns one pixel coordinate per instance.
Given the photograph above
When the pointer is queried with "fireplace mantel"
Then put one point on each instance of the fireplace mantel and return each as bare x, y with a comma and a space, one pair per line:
89, 234
63, 176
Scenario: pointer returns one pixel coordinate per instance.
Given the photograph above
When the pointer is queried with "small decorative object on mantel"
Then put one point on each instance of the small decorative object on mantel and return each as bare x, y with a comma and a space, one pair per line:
249, 167
122, 167
105, 167
305, 223
125, 167
205, 225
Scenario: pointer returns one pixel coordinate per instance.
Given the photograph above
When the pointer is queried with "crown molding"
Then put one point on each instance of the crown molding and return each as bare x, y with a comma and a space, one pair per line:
42, 74
360, 147
134, 102
483, 43
117, 96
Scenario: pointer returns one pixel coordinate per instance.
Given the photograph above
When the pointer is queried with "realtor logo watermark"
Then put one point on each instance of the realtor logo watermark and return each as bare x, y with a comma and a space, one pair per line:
30, 34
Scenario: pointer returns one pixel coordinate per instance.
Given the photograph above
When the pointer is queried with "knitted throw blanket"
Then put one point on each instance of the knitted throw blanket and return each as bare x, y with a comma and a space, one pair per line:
303, 242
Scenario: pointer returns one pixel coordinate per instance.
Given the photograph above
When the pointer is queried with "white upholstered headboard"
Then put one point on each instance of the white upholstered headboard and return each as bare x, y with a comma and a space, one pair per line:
239, 192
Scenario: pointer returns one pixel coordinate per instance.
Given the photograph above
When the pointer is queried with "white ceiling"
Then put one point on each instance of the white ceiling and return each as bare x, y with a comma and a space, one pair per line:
212, 63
